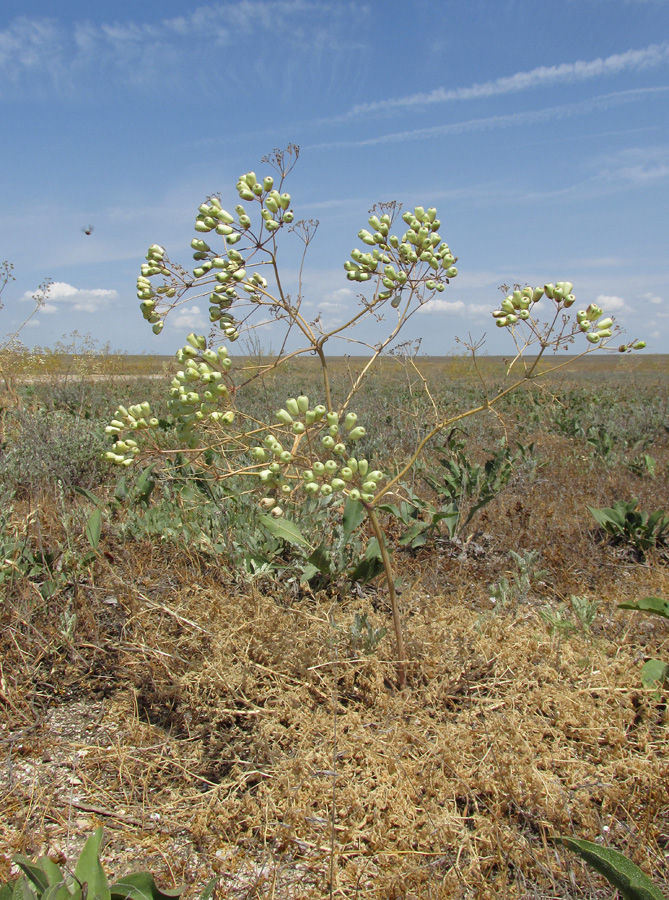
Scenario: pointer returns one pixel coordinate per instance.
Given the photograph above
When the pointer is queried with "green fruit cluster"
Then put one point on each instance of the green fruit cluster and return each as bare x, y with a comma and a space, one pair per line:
419, 257
590, 322
227, 270
135, 418
197, 393
516, 307
198, 390
155, 265
282, 471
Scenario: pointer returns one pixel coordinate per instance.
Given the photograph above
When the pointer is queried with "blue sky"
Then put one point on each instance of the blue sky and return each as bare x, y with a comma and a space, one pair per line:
538, 129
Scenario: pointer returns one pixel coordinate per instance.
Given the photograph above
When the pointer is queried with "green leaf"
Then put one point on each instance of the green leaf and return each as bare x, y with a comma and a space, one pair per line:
616, 868
89, 868
89, 496
209, 889
34, 872
354, 513
93, 528
6, 891
141, 886
648, 604
121, 490
654, 673
320, 560
366, 570
284, 529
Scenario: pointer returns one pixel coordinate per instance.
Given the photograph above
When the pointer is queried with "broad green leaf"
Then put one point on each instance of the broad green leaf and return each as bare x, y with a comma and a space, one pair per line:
33, 871
141, 886
51, 870
320, 560
93, 528
121, 490
89, 869
23, 890
5, 892
366, 570
89, 496
606, 517
654, 673
285, 529
354, 514
617, 869
648, 604
415, 536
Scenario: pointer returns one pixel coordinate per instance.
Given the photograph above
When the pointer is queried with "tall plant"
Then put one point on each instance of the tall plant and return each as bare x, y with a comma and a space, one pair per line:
310, 449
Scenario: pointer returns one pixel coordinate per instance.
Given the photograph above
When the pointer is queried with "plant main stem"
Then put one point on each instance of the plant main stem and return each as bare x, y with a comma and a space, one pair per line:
397, 621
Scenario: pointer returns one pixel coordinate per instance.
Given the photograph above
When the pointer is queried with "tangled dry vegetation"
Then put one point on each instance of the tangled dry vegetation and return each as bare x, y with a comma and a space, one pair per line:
217, 725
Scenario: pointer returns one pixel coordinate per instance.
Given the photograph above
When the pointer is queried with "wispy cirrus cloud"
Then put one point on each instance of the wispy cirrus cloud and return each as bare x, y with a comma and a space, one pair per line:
510, 120
40, 54
542, 76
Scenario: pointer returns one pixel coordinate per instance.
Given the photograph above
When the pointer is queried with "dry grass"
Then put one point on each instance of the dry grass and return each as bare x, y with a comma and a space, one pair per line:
217, 726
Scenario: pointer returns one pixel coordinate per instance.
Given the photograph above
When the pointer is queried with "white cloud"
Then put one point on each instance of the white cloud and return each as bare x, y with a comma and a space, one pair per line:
581, 70
640, 165
444, 307
652, 298
61, 296
585, 107
610, 303
335, 300
61, 55
191, 319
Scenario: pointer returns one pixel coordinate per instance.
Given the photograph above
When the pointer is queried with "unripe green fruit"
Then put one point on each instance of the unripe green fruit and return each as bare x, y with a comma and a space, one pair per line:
312, 487
356, 433
271, 205
331, 466
604, 324
332, 419
310, 417
367, 497
259, 454
197, 341
158, 327
354, 494
284, 417
277, 512
339, 449
593, 337
363, 467
284, 201
246, 194
319, 411
537, 294
351, 419
292, 407
376, 475
337, 484
346, 473
302, 403
328, 441
298, 428
319, 468
523, 314
286, 457
451, 272
326, 489
257, 189
352, 463
369, 487
271, 225
604, 332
